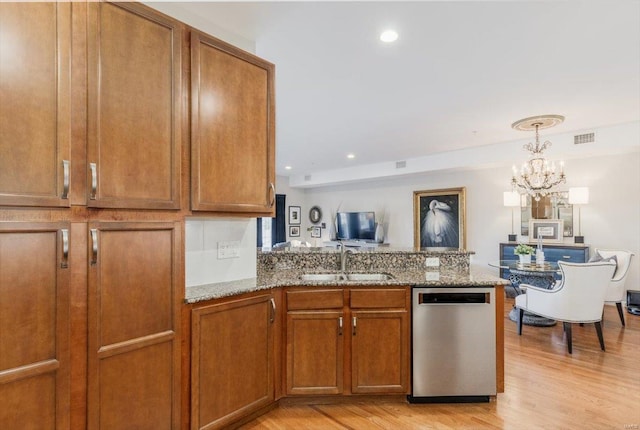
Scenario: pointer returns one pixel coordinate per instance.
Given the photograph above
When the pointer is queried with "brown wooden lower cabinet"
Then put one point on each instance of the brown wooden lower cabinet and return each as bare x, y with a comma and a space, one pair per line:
232, 360
379, 352
332, 333
133, 320
315, 345
34, 325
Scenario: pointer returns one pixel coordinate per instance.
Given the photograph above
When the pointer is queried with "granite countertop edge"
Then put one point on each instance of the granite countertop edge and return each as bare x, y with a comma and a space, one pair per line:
476, 277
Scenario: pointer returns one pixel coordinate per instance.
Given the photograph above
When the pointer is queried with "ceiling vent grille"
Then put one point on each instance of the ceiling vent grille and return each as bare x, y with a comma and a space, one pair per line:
579, 139
401, 164
307, 177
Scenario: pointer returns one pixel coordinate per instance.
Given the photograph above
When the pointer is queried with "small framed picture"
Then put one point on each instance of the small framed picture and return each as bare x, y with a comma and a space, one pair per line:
316, 231
549, 230
294, 215
294, 231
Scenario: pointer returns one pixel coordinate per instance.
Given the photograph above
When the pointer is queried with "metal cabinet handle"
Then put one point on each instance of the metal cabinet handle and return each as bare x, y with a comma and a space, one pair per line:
272, 189
94, 246
65, 248
354, 324
568, 257
94, 180
340, 326
272, 317
65, 178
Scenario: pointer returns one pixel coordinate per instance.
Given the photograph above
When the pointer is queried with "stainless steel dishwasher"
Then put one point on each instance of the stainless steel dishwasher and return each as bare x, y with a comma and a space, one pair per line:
453, 344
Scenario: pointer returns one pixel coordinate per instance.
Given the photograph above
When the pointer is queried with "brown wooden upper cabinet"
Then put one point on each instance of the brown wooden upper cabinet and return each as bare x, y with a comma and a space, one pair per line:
134, 115
232, 129
35, 50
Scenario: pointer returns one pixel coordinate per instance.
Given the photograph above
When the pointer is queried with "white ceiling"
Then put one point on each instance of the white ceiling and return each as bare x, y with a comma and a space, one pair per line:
460, 73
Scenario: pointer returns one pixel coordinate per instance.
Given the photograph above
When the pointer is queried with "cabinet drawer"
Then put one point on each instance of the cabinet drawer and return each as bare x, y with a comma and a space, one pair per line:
564, 254
378, 298
317, 299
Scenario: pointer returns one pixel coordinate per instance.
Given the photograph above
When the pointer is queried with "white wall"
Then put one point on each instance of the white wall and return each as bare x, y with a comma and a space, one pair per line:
202, 265
610, 220
295, 197
181, 12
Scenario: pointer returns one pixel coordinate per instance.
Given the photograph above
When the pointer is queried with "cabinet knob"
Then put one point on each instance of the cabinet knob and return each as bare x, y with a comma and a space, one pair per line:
94, 180
65, 248
94, 246
272, 316
272, 193
65, 178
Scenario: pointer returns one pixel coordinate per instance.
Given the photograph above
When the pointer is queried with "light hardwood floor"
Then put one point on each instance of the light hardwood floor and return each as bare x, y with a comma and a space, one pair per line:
545, 388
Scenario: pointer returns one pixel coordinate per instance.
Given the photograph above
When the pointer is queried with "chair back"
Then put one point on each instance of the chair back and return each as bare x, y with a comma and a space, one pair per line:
583, 289
616, 291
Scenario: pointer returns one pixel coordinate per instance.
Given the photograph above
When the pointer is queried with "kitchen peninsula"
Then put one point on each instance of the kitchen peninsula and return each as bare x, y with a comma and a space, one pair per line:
283, 334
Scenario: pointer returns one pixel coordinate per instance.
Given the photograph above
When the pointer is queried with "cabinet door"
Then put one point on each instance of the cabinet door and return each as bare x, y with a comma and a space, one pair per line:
315, 352
380, 352
133, 345
232, 361
35, 103
232, 129
134, 97
34, 326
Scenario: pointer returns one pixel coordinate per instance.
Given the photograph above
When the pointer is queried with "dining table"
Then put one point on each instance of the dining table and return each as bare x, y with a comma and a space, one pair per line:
542, 275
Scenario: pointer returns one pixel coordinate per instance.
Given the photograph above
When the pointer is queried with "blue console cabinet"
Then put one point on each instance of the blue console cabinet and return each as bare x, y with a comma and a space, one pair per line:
552, 252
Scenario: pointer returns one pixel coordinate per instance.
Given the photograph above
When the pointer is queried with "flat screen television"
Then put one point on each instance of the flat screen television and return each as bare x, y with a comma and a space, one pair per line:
356, 225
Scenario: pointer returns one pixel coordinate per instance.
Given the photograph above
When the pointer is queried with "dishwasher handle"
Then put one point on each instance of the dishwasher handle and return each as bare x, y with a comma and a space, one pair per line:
454, 298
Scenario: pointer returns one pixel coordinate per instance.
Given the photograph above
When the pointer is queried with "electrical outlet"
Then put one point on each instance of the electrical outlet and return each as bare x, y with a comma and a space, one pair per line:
433, 276
432, 262
228, 249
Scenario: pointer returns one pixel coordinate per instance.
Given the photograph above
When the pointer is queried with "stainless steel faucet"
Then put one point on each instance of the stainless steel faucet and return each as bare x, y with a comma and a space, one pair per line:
343, 257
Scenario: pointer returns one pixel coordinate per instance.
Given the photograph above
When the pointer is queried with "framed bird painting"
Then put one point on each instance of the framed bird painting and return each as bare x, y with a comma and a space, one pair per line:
439, 219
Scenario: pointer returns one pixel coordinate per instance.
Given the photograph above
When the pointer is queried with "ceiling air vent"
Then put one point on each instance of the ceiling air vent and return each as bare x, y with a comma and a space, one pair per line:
401, 164
579, 139
307, 177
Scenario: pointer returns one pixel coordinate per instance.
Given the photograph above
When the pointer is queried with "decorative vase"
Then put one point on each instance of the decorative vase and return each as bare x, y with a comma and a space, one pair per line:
332, 231
379, 236
525, 258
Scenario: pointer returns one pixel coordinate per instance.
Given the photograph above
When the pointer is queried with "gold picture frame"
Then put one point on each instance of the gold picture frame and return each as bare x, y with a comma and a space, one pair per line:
439, 219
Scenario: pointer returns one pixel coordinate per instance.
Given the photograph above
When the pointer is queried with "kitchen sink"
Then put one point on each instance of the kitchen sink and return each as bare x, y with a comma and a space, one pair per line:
345, 277
369, 276
323, 277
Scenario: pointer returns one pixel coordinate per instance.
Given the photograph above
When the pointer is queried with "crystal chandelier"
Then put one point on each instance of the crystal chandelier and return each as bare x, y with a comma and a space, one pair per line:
537, 177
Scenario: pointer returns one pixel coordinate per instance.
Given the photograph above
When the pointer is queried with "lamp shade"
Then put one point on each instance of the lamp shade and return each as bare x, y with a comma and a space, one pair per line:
511, 198
578, 196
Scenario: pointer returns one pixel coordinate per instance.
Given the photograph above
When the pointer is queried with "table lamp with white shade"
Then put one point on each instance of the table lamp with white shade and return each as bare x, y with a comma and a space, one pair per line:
511, 200
579, 196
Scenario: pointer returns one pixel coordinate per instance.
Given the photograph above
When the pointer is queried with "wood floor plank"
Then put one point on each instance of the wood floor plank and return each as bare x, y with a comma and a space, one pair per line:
545, 388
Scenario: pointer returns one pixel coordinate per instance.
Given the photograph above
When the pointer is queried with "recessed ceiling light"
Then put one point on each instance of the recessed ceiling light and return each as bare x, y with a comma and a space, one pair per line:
287, 167
389, 36
350, 156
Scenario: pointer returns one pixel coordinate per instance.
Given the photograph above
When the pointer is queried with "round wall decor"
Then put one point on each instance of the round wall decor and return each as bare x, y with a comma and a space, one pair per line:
315, 215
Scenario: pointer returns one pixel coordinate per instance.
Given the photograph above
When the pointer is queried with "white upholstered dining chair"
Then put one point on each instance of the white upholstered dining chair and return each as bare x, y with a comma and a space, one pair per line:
577, 298
616, 293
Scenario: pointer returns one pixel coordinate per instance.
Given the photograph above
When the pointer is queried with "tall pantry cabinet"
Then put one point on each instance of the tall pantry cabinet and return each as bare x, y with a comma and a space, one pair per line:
91, 276
96, 177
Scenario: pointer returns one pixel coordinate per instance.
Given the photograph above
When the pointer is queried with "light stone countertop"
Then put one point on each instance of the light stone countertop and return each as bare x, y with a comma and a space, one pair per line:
477, 276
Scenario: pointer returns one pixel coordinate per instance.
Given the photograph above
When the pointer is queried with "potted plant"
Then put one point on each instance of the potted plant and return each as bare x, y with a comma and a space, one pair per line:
524, 251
